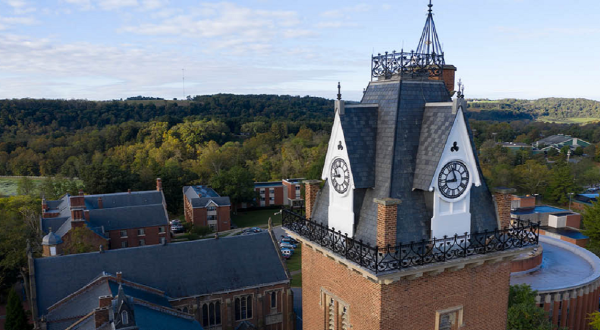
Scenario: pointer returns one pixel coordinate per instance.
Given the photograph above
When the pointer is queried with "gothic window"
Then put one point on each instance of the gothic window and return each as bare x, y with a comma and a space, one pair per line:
273, 299
243, 308
124, 318
211, 314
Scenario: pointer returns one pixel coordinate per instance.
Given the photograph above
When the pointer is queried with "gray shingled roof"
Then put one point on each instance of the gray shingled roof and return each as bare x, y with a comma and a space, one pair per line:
437, 123
554, 139
54, 223
359, 124
135, 198
399, 127
129, 217
183, 269
197, 201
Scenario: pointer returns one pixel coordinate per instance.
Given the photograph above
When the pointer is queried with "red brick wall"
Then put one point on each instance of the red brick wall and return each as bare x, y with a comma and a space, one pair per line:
311, 188
520, 265
482, 291
261, 307
151, 237
224, 216
503, 202
526, 201
574, 221
91, 238
279, 196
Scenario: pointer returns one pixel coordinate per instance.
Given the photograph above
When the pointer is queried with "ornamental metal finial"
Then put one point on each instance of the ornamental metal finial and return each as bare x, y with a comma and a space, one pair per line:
460, 93
339, 91
430, 5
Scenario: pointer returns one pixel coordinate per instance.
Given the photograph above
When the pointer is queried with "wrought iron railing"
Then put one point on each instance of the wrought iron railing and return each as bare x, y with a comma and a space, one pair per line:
390, 258
388, 64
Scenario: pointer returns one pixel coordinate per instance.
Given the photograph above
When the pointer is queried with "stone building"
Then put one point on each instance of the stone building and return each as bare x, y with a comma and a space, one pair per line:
205, 207
238, 282
114, 221
403, 233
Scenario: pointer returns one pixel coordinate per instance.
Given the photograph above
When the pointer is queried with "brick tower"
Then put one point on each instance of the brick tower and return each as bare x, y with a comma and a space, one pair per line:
404, 233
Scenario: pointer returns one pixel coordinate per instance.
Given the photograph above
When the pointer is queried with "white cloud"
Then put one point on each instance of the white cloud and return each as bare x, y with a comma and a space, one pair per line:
20, 6
18, 20
345, 12
110, 4
115, 4
227, 24
49, 68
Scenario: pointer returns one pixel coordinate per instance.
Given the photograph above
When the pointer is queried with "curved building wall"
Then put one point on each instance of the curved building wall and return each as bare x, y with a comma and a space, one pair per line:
568, 283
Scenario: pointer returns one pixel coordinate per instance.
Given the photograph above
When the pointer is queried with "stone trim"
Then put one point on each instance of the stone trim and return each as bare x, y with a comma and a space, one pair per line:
459, 320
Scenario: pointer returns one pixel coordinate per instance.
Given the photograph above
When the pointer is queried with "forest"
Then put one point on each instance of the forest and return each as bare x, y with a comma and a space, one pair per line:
552, 107
222, 139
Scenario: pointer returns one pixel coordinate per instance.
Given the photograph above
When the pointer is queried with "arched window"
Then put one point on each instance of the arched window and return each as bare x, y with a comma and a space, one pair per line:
205, 315
124, 318
243, 308
211, 313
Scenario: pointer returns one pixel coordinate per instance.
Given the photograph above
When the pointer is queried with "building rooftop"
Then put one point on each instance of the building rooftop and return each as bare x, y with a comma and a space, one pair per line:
179, 269
201, 196
538, 209
564, 266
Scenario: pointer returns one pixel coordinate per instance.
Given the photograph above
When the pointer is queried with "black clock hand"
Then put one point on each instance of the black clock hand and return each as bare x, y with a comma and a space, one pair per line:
454, 179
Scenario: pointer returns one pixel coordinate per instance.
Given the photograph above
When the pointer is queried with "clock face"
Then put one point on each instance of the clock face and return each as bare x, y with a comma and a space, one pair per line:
340, 175
453, 179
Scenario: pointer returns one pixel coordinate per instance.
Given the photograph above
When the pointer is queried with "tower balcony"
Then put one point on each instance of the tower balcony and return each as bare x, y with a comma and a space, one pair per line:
407, 63
413, 257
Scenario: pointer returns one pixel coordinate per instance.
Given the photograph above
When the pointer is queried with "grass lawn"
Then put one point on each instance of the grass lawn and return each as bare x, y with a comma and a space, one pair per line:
295, 262
581, 121
256, 218
297, 281
8, 186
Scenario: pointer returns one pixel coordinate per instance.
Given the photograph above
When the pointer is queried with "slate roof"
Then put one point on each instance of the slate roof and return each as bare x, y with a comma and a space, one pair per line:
400, 120
359, 124
135, 198
119, 211
197, 201
554, 139
152, 310
186, 269
437, 123
129, 217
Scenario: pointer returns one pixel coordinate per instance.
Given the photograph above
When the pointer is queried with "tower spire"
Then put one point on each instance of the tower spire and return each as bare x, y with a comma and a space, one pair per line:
339, 95
429, 43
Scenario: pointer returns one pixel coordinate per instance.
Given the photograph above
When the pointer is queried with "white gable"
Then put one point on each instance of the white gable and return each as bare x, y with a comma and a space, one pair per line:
459, 135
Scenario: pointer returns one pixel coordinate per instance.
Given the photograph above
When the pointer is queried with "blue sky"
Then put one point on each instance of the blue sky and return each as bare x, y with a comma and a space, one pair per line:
110, 49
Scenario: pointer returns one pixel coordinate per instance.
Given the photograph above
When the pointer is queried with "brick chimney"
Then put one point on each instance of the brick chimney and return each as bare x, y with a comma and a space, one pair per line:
44, 205
119, 277
77, 218
311, 188
101, 316
100, 205
503, 200
104, 301
158, 184
387, 211
77, 202
80, 192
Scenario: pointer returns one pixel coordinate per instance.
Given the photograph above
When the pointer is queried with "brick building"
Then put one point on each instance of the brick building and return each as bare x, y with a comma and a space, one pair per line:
204, 207
238, 282
284, 192
404, 233
114, 221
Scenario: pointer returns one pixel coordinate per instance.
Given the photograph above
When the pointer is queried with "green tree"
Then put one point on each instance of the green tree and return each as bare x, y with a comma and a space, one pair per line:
591, 223
561, 184
78, 241
16, 319
25, 186
594, 319
532, 177
523, 313
237, 183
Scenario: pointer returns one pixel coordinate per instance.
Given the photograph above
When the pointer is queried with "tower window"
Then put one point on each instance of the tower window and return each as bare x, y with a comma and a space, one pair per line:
449, 319
243, 308
124, 318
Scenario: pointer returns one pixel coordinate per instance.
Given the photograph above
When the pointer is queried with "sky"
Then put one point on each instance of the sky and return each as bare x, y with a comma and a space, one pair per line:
112, 49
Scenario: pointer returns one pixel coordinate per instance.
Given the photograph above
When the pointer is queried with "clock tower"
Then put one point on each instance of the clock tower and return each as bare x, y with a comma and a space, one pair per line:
404, 233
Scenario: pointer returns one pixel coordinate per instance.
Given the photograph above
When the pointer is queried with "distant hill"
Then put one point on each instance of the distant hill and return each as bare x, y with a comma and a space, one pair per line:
545, 108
